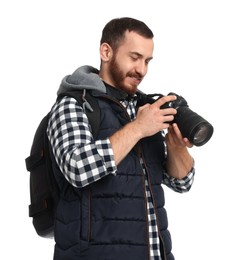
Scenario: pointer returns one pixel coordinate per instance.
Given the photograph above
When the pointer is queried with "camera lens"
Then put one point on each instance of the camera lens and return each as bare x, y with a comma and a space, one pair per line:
202, 135
194, 127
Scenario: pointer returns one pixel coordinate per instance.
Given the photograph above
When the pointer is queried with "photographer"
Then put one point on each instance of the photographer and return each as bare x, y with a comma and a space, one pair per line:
112, 200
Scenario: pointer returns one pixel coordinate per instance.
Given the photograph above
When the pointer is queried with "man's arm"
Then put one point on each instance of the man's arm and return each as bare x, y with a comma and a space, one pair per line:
81, 159
179, 160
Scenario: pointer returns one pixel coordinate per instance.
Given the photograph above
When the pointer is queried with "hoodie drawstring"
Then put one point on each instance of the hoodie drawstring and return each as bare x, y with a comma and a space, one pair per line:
86, 104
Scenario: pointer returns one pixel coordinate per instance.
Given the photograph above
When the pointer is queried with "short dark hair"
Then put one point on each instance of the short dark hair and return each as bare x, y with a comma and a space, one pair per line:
114, 31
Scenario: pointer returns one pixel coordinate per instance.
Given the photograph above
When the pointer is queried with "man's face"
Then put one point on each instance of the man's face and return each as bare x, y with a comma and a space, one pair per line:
129, 64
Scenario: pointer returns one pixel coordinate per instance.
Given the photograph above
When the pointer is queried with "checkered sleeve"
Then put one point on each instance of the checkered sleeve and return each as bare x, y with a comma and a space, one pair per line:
180, 185
81, 159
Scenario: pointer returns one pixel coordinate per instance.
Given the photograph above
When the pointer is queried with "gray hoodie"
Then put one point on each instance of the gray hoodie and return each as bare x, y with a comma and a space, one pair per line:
85, 77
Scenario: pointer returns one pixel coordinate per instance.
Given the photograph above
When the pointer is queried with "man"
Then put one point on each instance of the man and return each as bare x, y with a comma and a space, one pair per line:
112, 201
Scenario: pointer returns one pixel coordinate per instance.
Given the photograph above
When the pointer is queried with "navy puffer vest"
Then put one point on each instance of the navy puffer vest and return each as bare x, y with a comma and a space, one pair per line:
108, 219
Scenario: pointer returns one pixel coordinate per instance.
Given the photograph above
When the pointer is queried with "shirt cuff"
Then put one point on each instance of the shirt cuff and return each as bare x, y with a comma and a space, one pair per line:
180, 185
104, 149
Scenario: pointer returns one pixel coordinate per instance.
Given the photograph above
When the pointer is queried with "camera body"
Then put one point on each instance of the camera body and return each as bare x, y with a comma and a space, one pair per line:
177, 103
191, 125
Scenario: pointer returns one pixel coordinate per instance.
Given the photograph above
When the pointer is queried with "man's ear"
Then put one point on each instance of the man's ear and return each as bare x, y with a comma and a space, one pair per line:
105, 52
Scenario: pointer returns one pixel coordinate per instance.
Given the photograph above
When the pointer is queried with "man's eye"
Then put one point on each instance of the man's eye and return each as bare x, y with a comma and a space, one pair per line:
134, 57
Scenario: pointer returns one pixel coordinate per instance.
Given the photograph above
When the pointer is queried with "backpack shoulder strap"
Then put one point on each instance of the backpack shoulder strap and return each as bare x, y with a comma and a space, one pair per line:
90, 106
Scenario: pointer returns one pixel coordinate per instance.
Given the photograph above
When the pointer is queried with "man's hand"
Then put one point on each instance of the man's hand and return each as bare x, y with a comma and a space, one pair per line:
175, 139
151, 118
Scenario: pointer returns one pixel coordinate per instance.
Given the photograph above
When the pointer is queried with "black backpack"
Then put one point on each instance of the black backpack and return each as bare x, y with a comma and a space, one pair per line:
44, 192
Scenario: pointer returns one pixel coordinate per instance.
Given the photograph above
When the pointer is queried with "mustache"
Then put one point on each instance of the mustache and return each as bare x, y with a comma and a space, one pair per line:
135, 75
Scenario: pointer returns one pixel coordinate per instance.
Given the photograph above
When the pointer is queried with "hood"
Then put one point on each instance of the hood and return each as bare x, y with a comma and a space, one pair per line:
85, 77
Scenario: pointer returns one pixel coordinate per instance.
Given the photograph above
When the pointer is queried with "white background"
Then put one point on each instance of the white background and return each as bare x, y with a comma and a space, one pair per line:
196, 53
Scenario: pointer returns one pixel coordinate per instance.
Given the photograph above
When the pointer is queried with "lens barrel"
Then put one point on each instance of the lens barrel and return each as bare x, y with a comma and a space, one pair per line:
193, 126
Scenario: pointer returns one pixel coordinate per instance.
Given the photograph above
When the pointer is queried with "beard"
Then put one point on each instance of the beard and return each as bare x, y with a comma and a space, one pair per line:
118, 77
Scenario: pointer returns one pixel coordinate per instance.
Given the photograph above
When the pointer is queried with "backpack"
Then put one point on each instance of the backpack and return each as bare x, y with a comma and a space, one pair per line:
44, 191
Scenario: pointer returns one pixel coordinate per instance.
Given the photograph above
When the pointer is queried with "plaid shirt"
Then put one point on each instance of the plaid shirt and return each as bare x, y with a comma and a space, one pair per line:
83, 160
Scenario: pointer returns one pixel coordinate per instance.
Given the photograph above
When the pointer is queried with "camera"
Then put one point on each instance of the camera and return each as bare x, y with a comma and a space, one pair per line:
191, 125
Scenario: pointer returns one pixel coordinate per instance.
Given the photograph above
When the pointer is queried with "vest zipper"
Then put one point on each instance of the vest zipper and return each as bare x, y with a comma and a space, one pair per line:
89, 215
139, 152
163, 253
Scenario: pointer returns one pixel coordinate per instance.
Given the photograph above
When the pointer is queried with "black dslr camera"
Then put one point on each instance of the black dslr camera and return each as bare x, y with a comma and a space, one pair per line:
194, 127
